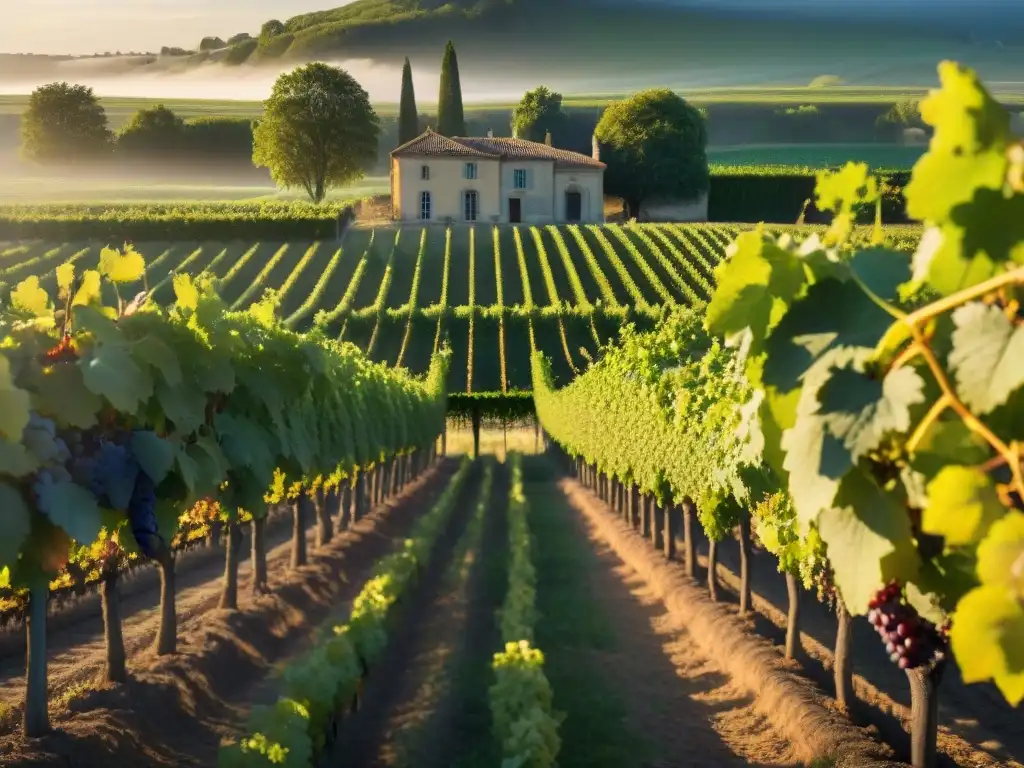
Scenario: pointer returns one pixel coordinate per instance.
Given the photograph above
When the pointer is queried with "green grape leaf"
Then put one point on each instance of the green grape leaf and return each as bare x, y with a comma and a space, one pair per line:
16, 460
185, 291
963, 503
216, 374
833, 315
93, 320
168, 517
72, 508
1001, 554
882, 271
188, 468
29, 297
14, 403
65, 277
869, 541
965, 117
930, 196
60, 393
111, 372
183, 405
89, 290
15, 522
754, 287
843, 189
154, 454
127, 267
927, 604
948, 442
987, 358
153, 351
842, 416
988, 640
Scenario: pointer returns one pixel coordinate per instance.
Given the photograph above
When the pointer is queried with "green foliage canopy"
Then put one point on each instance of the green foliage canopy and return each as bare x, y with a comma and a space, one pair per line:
538, 112
318, 130
154, 132
64, 123
451, 120
655, 145
408, 119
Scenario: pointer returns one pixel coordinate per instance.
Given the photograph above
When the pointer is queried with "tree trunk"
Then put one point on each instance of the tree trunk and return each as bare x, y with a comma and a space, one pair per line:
713, 570
36, 718
668, 533
689, 543
298, 554
924, 715
657, 517
259, 556
793, 620
167, 634
324, 528
745, 563
645, 516
344, 506
213, 535
630, 505
229, 591
476, 433
843, 661
113, 637
358, 498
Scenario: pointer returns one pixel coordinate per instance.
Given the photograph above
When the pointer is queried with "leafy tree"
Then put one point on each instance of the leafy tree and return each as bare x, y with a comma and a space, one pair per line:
270, 30
408, 119
655, 146
241, 37
211, 44
900, 116
539, 111
451, 120
318, 130
63, 124
152, 132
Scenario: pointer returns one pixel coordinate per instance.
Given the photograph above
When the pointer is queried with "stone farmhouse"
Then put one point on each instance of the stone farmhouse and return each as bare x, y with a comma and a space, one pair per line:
495, 180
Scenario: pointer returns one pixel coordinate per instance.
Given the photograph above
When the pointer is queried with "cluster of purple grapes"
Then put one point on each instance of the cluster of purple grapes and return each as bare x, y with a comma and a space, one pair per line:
910, 640
104, 463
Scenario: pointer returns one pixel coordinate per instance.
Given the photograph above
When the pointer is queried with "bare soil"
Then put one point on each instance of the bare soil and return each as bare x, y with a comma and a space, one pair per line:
411, 706
978, 727
176, 710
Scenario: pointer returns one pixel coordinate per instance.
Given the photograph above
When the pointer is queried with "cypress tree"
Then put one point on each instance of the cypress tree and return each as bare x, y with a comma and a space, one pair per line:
408, 119
450, 119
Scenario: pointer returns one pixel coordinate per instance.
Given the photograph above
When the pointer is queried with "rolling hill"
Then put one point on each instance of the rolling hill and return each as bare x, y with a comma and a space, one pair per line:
617, 45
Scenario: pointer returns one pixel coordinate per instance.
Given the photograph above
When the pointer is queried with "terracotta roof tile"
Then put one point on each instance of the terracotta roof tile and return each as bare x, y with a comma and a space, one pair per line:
430, 143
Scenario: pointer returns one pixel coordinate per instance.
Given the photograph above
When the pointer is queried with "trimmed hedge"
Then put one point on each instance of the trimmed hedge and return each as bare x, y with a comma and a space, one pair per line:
779, 198
209, 221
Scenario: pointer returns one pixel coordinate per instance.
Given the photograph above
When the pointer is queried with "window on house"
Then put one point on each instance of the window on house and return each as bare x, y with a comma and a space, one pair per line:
519, 178
470, 172
469, 205
424, 203
425, 172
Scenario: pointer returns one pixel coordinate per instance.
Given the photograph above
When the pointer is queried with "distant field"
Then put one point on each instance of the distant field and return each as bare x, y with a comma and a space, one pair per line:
398, 292
29, 190
889, 156
119, 109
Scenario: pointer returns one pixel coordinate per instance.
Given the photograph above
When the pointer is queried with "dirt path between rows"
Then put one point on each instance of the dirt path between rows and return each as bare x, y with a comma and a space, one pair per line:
75, 652
977, 727
412, 698
176, 710
682, 704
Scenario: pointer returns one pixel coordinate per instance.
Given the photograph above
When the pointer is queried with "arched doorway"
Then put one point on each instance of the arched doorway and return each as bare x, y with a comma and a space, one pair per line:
573, 205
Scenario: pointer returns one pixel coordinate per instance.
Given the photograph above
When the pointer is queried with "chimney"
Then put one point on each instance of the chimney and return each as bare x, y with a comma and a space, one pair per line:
595, 147
547, 138
490, 134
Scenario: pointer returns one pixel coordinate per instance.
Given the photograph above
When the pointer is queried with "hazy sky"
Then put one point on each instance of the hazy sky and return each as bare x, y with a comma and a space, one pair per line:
90, 26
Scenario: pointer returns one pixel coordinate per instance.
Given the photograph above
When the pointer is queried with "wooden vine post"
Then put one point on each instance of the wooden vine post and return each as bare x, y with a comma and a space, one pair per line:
36, 717
689, 544
924, 713
259, 554
745, 555
845, 696
167, 635
229, 593
114, 670
793, 617
476, 430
